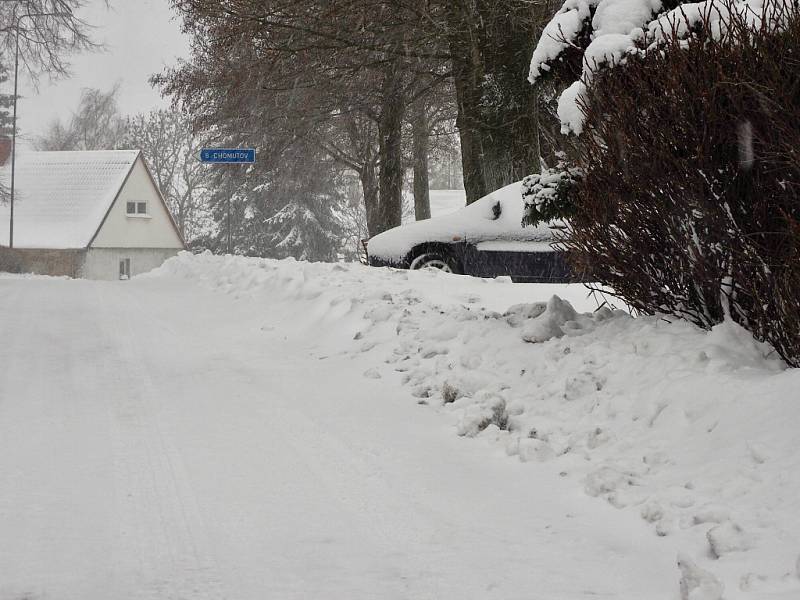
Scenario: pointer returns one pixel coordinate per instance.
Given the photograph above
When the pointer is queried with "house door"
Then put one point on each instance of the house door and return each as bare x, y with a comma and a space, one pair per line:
125, 269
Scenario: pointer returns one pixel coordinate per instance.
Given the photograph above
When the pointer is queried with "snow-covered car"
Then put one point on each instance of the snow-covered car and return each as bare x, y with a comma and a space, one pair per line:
484, 239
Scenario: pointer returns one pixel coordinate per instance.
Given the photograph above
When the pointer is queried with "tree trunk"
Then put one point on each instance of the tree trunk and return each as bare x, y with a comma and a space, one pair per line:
390, 129
497, 116
466, 76
369, 187
421, 145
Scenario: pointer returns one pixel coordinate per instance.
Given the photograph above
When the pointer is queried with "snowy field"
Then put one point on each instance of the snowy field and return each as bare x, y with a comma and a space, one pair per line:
250, 429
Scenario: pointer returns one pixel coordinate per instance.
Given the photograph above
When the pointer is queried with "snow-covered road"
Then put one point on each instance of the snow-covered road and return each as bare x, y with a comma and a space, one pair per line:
158, 440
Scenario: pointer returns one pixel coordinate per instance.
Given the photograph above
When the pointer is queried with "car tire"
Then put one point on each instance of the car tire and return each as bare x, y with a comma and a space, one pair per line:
439, 260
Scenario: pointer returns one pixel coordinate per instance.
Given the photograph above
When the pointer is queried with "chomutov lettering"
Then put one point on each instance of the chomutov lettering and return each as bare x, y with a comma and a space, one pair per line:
225, 155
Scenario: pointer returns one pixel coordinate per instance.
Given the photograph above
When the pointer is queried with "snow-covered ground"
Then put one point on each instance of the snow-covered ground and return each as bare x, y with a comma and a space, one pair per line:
244, 428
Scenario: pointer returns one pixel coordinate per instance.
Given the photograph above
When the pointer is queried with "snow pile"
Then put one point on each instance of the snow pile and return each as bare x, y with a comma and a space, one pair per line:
697, 584
694, 432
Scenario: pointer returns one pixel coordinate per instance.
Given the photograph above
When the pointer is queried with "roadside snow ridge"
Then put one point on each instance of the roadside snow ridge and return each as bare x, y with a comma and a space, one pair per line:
695, 431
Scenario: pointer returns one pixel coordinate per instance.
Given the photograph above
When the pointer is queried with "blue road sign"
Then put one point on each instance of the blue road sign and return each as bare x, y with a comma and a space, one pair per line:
228, 155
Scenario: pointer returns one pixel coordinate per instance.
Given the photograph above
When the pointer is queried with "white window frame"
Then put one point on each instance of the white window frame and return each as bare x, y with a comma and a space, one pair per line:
136, 205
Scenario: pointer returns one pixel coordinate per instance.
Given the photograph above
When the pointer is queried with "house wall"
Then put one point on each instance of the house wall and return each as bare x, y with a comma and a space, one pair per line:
58, 263
103, 263
155, 230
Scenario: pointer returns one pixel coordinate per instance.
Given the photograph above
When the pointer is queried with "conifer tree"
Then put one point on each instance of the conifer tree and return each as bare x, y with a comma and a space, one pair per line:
6, 102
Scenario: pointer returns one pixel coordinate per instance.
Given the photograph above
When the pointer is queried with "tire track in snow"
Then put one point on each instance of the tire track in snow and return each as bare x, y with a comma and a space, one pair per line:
53, 443
161, 528
347, 478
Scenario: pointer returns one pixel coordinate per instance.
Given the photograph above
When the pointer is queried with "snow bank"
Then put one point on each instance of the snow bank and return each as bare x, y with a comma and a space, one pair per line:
693, 431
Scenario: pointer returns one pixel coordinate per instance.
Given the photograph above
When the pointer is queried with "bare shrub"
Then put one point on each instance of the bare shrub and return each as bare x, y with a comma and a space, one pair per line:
688, 204
10, 261
449, 393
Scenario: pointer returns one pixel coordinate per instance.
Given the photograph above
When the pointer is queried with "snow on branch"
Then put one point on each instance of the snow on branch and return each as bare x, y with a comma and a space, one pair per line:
607, 31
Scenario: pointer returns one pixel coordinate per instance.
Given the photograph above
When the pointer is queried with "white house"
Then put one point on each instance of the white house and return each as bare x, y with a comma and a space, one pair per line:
96, 215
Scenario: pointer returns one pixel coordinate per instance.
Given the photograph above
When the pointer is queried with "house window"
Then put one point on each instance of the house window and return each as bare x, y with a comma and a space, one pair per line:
125, 268
136, 208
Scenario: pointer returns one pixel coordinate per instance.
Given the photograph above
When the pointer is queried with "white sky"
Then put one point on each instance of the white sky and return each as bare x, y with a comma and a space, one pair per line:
142, 37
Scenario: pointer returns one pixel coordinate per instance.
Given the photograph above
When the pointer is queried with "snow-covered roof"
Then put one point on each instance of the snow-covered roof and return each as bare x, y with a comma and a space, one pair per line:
62, 198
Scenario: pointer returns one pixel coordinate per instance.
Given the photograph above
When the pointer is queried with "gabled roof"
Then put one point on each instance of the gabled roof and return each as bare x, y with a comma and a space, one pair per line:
63, 197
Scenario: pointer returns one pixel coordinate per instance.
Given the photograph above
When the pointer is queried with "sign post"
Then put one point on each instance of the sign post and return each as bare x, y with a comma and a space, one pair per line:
228, 156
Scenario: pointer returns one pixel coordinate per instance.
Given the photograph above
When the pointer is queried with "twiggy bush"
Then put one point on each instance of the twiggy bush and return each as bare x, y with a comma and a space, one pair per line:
690, 158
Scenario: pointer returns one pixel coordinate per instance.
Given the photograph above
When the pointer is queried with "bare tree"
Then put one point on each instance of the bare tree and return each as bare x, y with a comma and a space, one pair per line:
172, 149
352, 216
295, 76
49, 33
96, 125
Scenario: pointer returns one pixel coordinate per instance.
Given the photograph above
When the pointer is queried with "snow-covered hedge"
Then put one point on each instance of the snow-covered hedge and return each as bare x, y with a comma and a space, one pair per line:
687, 203
606, 32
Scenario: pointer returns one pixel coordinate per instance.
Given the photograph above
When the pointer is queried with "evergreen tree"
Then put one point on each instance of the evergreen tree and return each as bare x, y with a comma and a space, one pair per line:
6, 102
281, 207
6, 125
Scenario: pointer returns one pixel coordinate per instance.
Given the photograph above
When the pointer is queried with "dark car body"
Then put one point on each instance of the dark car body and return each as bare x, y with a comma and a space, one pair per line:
535, 267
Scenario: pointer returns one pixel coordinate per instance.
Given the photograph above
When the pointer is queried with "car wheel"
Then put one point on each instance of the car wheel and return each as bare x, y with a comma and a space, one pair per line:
435, 260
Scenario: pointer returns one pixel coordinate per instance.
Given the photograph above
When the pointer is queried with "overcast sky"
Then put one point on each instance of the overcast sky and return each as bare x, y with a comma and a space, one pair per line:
142, 37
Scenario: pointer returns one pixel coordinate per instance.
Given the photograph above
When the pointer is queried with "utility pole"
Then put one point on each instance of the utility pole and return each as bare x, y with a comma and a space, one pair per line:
14, 134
